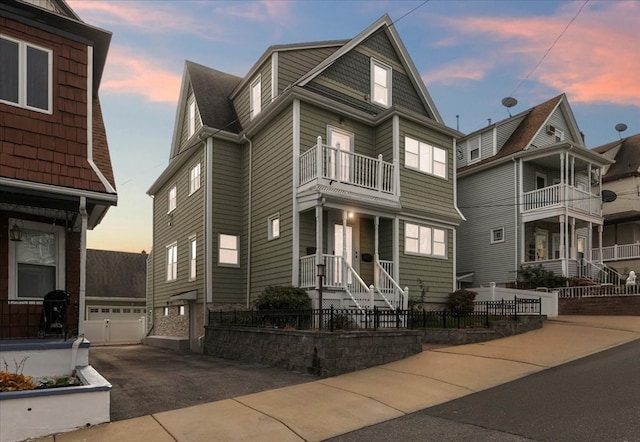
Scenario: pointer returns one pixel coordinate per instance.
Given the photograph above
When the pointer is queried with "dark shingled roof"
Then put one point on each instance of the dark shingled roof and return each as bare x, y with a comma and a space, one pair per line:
524, 133
212, 89
116, 274
627, 159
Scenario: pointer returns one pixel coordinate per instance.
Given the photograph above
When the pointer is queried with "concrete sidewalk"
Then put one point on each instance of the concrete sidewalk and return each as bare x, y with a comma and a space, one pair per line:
326, 408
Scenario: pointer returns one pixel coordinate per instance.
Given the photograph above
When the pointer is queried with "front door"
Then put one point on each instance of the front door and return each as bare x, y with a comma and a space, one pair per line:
339, 159
542, 245
345, 239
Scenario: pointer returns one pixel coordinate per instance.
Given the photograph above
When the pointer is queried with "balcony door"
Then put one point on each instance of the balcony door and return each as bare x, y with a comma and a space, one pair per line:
338, 158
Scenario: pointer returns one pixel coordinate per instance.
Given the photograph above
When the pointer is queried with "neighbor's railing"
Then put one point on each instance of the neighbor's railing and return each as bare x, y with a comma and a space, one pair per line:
557, 195
590, 291
617, 252
352, 319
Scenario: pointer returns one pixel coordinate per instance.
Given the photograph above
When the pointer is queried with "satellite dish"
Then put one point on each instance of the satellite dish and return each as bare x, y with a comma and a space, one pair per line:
621, 127
509, 102
609, 196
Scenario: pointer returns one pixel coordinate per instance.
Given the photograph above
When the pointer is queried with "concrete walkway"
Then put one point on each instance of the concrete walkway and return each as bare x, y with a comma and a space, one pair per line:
326, 408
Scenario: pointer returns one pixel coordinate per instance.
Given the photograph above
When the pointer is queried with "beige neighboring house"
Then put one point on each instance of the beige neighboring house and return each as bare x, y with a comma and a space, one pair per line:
115, 285
621, 232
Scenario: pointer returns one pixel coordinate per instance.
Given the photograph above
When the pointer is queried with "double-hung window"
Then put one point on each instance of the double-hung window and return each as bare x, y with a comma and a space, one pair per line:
37, 262
172, 262
381, 83
473, 149
193, 254
425, 158
173, 199
273, 227
228, 253
425, 240
25, 75
256, 97
194, 178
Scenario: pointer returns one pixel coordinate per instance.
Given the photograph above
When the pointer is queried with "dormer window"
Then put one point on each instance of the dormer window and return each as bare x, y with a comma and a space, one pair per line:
380, 83
256, 97
25, 75
473, 149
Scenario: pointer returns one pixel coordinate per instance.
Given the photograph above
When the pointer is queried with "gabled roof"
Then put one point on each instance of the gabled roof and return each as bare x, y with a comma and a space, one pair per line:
533, 121
627, 158
116, 274
383, 23
211, 89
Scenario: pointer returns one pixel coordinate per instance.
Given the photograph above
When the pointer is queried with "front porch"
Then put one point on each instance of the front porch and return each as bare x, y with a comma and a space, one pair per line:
359, 270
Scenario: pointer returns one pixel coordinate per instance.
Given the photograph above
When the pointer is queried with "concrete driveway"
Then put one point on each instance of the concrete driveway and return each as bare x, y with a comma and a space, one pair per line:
149, 380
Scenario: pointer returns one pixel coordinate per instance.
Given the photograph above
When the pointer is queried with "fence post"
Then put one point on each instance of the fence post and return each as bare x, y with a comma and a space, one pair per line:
319, 159
331, 319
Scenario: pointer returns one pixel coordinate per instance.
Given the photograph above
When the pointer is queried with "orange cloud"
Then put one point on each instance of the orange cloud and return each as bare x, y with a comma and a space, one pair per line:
597, 59
130, 73
471, 69
264, 11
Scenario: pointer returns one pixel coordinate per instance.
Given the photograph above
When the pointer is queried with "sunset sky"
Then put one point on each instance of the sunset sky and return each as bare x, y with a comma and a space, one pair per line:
470, 55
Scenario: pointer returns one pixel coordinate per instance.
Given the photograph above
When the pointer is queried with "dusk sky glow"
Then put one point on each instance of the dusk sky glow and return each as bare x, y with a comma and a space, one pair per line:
470, 54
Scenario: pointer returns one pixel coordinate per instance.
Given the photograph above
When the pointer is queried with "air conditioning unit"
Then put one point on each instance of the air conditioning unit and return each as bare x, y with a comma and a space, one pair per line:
550, 129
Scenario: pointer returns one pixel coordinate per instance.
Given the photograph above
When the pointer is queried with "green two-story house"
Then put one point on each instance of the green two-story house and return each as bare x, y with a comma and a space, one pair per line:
324, 153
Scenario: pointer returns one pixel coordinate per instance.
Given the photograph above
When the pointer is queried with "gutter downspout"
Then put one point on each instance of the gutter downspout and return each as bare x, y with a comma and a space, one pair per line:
250, 214
516, 221
208, 240
83, 264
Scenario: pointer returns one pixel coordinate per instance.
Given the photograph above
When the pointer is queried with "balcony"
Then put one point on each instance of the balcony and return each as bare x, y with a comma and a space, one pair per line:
330, 170
562, 196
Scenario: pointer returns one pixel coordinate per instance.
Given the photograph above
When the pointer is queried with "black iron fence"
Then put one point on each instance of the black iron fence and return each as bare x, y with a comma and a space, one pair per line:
332, 319
25, 319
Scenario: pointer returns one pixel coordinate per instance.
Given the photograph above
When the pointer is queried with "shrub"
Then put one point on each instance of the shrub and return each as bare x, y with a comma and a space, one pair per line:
460, 302
537, 276
277, 297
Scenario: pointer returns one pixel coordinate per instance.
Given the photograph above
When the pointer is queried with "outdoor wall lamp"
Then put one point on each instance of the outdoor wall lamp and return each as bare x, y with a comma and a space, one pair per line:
15, 233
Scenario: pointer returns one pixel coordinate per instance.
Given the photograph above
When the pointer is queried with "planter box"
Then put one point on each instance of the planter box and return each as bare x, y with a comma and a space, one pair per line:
37, 413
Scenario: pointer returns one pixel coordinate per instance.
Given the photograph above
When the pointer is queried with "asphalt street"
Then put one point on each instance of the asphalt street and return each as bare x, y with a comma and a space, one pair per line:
596, 398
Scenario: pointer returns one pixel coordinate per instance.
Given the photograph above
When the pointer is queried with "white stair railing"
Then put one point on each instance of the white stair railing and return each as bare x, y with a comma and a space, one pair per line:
387, 286
599, 272
356, 288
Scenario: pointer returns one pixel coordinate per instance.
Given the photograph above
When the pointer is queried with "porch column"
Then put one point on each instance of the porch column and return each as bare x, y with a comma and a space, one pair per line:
589, 242
344, 246
573, 170
319, 158
563, 254
572, 238
563, 178
600, 229
590, 192
376, 254
319, 253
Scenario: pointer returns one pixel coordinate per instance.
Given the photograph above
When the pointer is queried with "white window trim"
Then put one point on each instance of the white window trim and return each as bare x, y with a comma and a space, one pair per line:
493, 231
174, 271
432, 229
237, 249
191, 119
22, 74
426, 150
270, 233
60, 257
194, 184
181, 310
172, 203
253, 108
193, 260
471, 148
389, 71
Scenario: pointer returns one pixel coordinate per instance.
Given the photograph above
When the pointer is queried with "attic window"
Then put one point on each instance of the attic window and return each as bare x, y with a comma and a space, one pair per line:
473, 148
380, 83
256, 97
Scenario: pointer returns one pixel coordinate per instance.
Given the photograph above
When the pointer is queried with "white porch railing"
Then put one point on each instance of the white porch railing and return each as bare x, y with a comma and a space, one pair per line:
560, 194
351, 168
589, 291
388, 288
333, 271
617, 252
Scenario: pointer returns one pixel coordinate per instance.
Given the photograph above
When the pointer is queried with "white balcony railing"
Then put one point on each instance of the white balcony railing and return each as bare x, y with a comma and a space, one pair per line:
617, 252
560, 195
332, 163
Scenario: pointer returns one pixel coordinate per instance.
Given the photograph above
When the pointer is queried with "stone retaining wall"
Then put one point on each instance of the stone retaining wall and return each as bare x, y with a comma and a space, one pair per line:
329, 354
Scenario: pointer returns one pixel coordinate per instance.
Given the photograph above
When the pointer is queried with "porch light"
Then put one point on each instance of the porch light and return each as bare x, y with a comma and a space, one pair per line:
321, 270
15, 233
321, 274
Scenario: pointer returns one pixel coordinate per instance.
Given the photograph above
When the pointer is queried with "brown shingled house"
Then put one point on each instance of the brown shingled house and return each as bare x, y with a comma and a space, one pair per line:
530, 192
56, 179
621, 234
